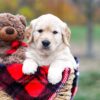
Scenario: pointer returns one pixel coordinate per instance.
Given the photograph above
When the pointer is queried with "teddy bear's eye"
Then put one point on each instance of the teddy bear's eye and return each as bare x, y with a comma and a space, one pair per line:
40, 30
55, 32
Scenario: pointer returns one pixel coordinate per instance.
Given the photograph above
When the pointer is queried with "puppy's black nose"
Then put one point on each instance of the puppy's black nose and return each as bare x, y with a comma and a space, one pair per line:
45, 43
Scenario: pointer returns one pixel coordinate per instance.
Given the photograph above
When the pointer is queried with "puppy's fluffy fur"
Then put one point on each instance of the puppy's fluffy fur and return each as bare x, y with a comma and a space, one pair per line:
50, 28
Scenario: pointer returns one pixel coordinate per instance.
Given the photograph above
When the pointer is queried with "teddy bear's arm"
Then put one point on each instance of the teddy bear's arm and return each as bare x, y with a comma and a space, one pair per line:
17, 57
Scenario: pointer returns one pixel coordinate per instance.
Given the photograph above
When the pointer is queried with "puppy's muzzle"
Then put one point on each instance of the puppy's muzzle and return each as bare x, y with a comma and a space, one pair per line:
46, 43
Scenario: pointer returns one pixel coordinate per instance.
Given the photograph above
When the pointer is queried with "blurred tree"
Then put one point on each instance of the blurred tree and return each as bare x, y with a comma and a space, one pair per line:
9, 6
27, 12
65, 10
26, 8
89, 8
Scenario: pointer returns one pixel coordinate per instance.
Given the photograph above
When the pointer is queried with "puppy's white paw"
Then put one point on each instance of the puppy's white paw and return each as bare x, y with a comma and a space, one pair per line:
54, 77
29, 67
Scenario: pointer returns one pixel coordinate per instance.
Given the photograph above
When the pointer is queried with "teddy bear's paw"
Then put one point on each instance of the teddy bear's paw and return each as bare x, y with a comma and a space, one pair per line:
54, 77
29, 67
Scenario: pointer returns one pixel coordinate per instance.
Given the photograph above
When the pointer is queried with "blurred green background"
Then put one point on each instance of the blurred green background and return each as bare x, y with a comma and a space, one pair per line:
83, 18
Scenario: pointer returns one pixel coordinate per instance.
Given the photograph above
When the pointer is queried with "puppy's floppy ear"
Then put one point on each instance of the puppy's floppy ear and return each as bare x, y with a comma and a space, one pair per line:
29, 31
66, 33
28, 34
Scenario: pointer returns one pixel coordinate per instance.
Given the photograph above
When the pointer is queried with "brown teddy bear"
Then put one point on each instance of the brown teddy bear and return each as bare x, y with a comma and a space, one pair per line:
12, 32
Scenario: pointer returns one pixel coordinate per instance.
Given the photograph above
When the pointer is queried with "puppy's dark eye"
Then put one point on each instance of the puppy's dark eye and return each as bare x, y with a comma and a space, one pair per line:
40, 30
55, 32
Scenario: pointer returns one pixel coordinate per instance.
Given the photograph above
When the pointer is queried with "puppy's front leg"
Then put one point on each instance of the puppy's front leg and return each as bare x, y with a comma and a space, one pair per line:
55, 71
29, 66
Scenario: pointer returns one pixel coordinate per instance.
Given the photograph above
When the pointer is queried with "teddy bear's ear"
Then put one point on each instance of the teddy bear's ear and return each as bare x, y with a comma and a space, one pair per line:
22, 19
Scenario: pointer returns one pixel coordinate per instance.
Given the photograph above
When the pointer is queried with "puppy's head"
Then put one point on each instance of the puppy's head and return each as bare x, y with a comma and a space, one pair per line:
47, 34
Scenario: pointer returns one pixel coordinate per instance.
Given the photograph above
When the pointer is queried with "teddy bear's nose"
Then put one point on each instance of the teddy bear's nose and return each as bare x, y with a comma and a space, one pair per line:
9, 31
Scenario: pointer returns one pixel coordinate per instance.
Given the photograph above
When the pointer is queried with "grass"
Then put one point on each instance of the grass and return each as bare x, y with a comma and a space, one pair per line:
89, 82
79, 33
97, 32
89, 86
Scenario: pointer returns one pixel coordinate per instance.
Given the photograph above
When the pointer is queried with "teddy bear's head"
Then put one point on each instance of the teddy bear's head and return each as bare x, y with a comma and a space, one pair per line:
12, 27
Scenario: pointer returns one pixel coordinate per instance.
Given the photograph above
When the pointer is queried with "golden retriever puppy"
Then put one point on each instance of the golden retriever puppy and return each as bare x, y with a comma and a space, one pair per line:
48, 45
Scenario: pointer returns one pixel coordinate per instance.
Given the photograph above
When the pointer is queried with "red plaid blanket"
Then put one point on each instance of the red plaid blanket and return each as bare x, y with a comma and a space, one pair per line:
28, 87
31, 87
